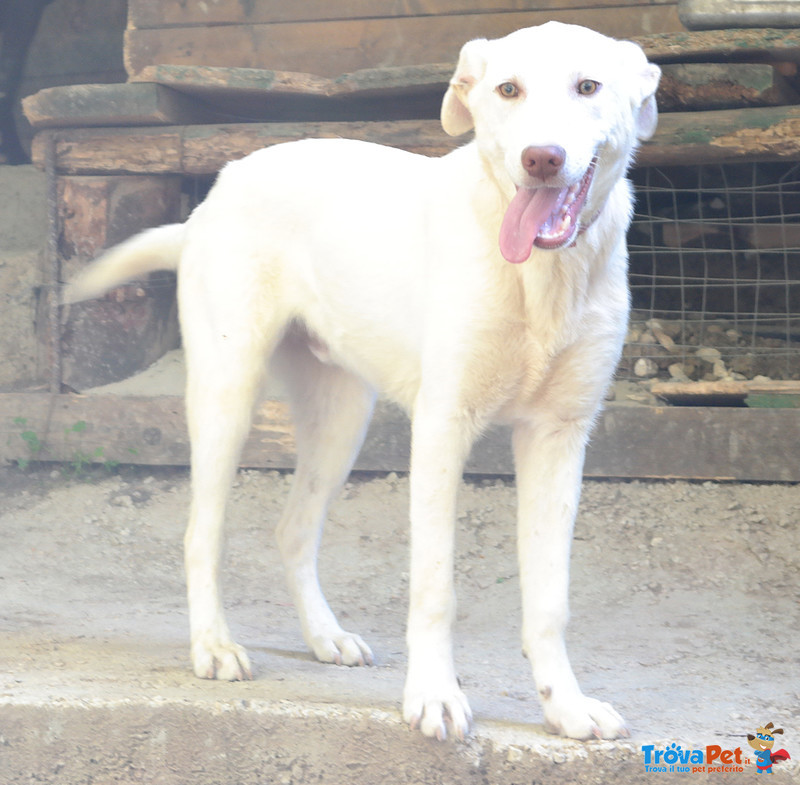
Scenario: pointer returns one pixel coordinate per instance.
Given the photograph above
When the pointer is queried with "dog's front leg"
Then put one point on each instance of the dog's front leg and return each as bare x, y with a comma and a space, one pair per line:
549, 464
439, 447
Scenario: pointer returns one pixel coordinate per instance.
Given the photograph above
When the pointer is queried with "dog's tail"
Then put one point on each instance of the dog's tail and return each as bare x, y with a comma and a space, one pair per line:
153, 249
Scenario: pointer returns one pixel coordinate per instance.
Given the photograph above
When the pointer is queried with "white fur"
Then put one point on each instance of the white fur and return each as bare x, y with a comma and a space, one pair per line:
358, 267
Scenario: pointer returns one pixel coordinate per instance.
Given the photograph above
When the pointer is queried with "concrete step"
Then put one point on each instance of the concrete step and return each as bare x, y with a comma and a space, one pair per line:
684, 616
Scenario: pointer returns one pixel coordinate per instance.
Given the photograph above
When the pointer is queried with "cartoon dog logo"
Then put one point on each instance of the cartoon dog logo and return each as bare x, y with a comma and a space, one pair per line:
762, 743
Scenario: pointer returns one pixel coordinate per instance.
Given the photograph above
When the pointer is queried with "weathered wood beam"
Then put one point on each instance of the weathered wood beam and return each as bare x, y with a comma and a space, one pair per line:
171, 13
204, 149
724, 136
629, 441
753, 45
178, 95
758, 134
771, 393
193, 95
258, 82
303, 45
111, 338
366, 42
706, 86
782, 44
91, 105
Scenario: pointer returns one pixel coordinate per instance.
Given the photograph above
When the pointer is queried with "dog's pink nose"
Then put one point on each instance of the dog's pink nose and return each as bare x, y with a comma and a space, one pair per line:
543, 162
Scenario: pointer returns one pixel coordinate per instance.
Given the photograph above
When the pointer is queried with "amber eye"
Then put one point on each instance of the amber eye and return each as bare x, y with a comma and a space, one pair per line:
588, 86
508, 90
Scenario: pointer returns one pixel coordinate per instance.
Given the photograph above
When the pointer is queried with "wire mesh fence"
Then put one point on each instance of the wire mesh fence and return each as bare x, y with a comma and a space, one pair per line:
715, 273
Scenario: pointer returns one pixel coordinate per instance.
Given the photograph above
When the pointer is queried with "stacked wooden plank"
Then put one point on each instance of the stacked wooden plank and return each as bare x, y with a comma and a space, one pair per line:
212, 81
189, 119
332, 37
766, 394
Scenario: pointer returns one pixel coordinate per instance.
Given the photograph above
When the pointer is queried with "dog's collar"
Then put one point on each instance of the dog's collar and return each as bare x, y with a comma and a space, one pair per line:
596, 215
588, 224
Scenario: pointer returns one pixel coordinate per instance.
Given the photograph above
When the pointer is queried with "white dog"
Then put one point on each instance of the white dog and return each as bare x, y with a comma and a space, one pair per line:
489, 284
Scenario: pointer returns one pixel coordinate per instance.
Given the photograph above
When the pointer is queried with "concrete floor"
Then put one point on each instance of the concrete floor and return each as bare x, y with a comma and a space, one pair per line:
685, 616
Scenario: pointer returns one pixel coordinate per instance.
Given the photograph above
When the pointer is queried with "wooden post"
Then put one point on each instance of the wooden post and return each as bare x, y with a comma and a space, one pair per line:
109, 339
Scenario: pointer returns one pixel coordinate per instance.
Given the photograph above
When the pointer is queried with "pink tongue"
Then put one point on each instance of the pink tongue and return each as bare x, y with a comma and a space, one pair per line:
526, 214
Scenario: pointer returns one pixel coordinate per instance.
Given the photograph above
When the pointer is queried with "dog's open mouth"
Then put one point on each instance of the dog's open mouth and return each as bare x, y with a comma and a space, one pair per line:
544, 217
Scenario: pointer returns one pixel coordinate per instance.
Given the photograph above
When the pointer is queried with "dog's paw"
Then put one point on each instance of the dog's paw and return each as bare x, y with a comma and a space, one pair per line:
431, 707
585, 718
225, 661
341, 648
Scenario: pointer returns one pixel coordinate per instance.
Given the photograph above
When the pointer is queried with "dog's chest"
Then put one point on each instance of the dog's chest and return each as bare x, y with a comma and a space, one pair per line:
551, 319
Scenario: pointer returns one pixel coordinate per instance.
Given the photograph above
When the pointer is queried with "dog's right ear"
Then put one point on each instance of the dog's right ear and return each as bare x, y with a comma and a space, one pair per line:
456, 117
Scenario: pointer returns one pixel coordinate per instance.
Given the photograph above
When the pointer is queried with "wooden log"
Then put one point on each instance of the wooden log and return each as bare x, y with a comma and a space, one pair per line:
178, 13
99, 212
191, 95
249, 81
683, 85
113, 104
724, 136
668, 45
137, 151
254, 82
111, 338
633, 442
715, 234
205, 149
184, 95
758, 45
695, 234
761, 394
674, 45
395, 93
363, 43
722, 86
759, 134
763, 236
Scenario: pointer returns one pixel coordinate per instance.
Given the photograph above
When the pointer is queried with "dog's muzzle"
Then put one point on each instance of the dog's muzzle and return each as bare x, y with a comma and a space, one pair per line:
544, 217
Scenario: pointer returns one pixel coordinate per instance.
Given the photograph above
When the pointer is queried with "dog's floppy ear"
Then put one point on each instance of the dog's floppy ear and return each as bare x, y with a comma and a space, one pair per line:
647, 118
456, 117
643, 94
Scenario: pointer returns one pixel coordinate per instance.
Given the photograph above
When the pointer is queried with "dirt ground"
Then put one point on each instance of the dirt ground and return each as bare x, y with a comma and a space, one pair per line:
684, 607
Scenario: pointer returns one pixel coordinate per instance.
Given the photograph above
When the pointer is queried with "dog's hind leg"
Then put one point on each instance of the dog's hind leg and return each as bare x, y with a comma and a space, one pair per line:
331, 409
226, 354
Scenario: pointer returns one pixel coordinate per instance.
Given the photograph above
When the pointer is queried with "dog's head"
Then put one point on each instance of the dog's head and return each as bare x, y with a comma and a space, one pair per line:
558, 111
764, 738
